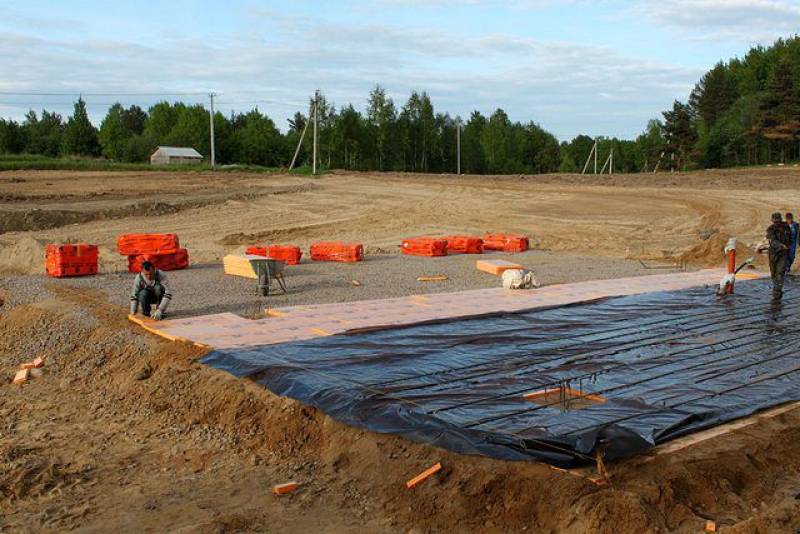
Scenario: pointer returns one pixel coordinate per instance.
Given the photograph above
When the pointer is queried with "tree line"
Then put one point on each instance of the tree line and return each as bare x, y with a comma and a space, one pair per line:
743, 112
413, 137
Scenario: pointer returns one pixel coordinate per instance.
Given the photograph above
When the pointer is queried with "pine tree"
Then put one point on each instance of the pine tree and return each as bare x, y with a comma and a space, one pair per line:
80, 135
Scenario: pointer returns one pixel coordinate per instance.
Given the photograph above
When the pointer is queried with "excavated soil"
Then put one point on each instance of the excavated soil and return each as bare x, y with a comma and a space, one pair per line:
126, 431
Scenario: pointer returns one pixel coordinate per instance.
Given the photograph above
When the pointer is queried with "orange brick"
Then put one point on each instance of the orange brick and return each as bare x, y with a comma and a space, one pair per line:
287, 487
711, 526
35, 364
22, 376
422, 476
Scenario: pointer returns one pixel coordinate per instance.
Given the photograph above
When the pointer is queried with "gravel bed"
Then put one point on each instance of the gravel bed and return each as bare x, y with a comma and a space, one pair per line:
205, 289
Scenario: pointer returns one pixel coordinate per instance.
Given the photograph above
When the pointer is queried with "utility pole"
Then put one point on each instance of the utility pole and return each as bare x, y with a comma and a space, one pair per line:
316, 120
211, 122
458, 146
611, 167
592, 153
300, 143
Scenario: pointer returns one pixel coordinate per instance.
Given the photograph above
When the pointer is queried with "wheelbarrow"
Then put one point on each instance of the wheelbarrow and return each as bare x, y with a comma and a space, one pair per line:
268, 270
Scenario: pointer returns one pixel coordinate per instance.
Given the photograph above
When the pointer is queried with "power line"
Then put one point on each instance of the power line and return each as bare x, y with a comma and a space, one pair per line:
81, 93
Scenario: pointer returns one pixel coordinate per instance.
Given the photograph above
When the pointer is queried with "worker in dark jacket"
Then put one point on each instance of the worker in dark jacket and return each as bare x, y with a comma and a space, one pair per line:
779, 237
794, 233
150, 288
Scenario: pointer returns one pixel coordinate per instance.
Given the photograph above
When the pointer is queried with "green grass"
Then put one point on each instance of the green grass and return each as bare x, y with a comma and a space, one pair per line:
24, 162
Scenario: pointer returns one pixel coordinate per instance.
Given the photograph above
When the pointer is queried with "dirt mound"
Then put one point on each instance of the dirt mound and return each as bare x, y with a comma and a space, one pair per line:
25, 256
142, 425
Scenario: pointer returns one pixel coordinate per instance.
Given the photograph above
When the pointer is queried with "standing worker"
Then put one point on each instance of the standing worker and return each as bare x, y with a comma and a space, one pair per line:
778, 235
794, 233
150, 288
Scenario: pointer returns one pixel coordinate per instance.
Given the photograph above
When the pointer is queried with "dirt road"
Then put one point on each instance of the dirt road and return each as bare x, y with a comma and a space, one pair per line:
640, 216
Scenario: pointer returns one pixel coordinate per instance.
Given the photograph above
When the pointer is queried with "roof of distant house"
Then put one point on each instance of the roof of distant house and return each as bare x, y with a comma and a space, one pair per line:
179, 152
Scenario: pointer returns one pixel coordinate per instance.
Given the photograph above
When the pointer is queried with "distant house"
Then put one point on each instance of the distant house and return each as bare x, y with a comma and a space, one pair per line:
171, 155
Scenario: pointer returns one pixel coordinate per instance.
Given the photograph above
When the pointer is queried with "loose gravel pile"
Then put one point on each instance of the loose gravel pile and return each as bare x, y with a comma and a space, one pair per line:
205, 289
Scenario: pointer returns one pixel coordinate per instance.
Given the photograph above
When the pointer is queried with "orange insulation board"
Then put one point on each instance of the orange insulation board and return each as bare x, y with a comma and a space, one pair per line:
70, 260
164, 262
496, 267
425, 246
288, 254
346, 252
506, 243
134, 244
463, 244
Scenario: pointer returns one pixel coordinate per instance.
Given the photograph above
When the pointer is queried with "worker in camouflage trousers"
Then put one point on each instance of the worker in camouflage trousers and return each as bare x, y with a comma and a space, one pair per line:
779, 236
794, 236
150, 288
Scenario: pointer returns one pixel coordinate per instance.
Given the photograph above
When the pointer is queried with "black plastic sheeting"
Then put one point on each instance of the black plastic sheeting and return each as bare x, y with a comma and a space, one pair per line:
666, 364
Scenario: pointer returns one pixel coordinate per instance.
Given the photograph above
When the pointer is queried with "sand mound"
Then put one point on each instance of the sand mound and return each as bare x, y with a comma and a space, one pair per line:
26, 256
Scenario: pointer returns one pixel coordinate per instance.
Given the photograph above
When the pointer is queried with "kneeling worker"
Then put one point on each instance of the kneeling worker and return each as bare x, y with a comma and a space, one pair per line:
150, 288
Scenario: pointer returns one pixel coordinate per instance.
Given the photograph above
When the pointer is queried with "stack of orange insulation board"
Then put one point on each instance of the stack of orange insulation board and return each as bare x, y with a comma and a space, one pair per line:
132, 244
71, 260
496, 267
236, 265
287, 254
165, 262
463, 244
425, 246
162, 250
506, 243
346, 252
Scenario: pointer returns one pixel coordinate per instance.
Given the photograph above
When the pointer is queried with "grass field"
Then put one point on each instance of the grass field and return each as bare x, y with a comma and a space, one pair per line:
30, 162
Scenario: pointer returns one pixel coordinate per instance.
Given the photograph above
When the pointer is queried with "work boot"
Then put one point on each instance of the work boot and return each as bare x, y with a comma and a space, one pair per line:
777, 295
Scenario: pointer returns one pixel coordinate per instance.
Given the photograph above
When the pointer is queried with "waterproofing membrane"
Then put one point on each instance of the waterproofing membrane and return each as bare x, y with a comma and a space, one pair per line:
665, 365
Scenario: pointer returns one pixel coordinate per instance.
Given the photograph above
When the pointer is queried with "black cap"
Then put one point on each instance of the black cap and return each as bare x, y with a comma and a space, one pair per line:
148, 266
790, 215
777, 217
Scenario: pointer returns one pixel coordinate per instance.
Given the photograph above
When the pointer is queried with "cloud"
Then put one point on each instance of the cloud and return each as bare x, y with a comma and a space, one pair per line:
568, 87
744, 21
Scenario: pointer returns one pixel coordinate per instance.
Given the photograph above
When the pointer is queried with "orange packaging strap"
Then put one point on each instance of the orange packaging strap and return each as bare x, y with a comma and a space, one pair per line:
464, 244
425, 246
506, 243
346, 252
164, 262
134, 244
288, 254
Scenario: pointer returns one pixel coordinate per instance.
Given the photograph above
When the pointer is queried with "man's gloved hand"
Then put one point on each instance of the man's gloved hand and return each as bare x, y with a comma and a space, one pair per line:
158, 315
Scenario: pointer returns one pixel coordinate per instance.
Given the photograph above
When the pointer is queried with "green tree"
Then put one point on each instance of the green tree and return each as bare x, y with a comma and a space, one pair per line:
80, 135
679, 134
43, 136
382, 116
473, 160
258, 141
495, 141
12, 138
780, 108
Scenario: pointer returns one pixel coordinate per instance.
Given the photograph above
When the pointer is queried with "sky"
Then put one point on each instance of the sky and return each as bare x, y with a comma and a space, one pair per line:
594, 67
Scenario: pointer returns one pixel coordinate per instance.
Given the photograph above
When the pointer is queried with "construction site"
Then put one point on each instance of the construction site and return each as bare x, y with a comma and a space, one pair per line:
347, 353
